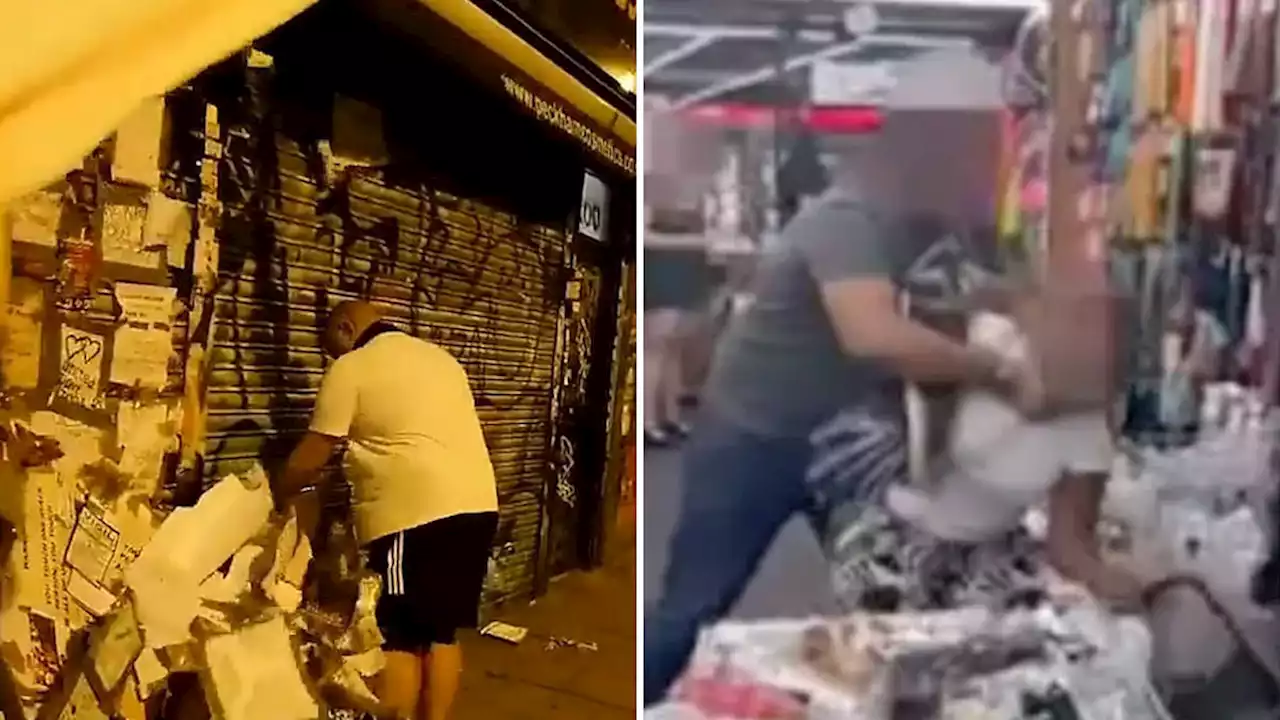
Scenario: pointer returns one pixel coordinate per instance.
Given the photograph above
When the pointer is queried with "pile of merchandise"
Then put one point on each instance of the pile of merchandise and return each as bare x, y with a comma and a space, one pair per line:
953, 664
1195, 513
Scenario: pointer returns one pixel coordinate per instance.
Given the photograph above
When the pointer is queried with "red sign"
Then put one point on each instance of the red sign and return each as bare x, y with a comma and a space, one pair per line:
833, 120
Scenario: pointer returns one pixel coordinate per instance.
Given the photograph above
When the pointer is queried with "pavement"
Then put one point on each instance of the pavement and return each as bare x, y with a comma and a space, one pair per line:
791, 581
531, 681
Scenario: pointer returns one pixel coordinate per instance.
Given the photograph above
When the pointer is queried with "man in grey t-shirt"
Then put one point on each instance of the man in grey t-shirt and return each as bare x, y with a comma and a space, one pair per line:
824, 332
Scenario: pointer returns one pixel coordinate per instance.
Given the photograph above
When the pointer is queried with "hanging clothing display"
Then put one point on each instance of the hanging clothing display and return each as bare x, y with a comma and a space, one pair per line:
1179, 140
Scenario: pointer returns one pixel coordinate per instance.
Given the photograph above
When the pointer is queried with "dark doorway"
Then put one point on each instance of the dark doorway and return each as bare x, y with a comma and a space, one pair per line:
580, 456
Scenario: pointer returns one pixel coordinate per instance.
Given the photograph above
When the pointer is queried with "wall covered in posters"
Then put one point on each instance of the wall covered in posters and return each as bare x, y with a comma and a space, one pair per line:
98, 331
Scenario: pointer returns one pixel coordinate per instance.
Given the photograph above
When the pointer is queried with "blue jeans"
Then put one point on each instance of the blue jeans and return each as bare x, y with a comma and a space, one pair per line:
738, 490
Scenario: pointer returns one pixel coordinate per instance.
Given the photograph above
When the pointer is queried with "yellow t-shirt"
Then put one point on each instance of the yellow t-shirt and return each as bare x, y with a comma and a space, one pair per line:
415, 449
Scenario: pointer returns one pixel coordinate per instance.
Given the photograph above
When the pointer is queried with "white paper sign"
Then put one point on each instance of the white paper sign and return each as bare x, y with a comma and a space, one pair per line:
146, 304
144, 343
81, 368
593, 215
93, 545
123, 236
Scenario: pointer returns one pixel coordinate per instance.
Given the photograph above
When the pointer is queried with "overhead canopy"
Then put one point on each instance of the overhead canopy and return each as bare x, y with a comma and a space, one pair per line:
573, 104
715, 51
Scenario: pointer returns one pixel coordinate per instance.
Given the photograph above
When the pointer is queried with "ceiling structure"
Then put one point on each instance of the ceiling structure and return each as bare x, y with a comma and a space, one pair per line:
715, 51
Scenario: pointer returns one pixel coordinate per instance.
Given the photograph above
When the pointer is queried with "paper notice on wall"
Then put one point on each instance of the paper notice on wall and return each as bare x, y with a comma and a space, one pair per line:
23, 321
40, 546
137, 146
123, 236
168, 225
141, 357
143, 344
36, 218
145, 433
147, 305
93, 544
80, 368
81, 445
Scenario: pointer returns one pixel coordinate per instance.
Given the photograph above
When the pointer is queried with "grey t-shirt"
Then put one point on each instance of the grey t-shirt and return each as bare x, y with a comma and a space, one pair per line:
779, 369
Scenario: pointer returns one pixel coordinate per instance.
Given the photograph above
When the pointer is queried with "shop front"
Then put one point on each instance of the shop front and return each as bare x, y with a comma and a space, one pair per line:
378, 151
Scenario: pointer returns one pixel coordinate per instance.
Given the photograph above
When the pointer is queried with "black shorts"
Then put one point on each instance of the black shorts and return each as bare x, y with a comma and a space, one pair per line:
432, 579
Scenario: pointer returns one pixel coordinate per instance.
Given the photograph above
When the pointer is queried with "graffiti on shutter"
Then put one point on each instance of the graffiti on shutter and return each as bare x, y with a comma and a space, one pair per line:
480, 282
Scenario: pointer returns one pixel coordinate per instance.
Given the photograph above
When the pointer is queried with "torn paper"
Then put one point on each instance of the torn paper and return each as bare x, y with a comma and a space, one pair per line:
205, 263
283, 583
93, 545
81, 446
23, 321
166, 599
90, 596
137, 145
18, 651
80, 371
188, 547
168, 226
83, 703
123, 228
113, 648
36, 218
129, 705
254, 673
226, 517
230, 586
144, 433
150, 673
132, 524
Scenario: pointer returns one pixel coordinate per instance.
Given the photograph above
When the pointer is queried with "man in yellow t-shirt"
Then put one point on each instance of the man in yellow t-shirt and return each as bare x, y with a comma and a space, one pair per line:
424, 496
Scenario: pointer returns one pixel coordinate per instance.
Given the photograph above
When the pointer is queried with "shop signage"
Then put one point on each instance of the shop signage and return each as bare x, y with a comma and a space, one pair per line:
556, 115
593, 214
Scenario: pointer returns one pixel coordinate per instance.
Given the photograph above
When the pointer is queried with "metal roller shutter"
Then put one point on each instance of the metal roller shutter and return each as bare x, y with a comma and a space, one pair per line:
475, 280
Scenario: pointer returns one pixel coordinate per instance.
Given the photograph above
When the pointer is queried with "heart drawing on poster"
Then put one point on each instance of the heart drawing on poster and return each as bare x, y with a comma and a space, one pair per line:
81, 348
80, 373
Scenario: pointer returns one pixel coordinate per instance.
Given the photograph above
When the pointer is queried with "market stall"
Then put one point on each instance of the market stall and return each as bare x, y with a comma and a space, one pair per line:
1138, 164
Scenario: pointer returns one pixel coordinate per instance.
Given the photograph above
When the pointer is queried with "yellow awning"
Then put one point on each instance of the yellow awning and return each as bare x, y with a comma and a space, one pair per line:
486, 30
72, 70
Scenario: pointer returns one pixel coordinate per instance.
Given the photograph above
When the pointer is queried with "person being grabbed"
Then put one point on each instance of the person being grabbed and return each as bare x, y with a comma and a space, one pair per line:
961, 541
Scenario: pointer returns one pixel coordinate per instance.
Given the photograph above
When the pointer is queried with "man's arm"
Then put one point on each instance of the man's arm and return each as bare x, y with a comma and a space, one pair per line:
330, 422
304, 465
864, 313
850, 257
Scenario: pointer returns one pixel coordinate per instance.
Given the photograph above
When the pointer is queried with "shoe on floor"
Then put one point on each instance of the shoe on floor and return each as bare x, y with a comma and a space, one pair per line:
679, 430
656, 437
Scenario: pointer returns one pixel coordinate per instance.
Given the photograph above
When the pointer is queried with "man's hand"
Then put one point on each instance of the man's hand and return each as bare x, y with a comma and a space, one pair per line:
1027, 388
1017, 380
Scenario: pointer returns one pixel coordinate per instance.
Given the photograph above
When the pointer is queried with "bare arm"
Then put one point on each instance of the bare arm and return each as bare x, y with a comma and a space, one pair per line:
304, 465
864, 313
